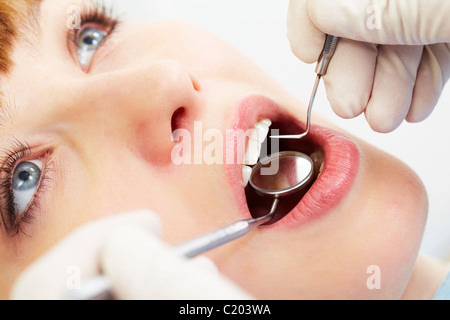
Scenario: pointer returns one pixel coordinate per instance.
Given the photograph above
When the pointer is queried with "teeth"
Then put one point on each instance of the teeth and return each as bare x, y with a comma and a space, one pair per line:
252, 153
318, 159
321, 168
257, 137
262, 130
267, 123
246, 172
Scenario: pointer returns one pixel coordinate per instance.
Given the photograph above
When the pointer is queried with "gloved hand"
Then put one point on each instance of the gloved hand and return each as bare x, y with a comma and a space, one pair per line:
372, 70
129, 252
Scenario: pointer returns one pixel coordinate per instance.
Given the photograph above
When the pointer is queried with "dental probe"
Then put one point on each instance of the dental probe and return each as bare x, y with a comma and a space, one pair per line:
224, 235
99, 288
321, 69
294, 172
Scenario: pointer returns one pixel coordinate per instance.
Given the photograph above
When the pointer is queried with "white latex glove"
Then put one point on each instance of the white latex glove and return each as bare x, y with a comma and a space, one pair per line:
392, 61
129, 252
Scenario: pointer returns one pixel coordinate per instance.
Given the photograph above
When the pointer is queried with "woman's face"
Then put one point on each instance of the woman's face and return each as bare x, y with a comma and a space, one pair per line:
83, 139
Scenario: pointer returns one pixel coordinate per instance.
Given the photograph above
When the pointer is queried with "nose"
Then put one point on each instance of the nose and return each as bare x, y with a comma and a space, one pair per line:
141, 107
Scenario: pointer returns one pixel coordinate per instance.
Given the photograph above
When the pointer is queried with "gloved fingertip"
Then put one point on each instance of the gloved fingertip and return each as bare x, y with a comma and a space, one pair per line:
416, 118
419, 113
427, 89
348, 108
383, 124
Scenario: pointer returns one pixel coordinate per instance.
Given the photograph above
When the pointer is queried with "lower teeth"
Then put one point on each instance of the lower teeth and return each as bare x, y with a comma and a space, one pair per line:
246, 173
318, 158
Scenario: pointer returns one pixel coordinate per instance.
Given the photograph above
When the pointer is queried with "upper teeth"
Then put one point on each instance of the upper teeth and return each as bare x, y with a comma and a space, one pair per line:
257, 137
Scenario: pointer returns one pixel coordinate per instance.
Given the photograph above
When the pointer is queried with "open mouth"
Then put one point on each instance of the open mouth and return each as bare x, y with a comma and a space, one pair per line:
256, 150
335, 157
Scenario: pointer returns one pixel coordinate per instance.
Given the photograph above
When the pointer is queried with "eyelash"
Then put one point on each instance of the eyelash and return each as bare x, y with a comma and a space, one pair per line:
102, 16
14, 157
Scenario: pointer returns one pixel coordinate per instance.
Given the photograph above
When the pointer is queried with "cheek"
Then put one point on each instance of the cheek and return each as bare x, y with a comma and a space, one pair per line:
193, 201
389, 214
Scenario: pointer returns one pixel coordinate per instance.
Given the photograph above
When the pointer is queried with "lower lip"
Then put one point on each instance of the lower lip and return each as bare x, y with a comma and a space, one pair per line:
339, 172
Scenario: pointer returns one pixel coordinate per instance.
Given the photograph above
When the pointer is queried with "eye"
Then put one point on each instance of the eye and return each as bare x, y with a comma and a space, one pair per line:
89, 40
25, 181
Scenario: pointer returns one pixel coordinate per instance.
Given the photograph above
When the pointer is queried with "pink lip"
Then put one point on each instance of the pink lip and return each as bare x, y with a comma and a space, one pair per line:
340, 168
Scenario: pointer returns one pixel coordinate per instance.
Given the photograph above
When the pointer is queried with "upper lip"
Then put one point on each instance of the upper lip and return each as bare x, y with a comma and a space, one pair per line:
340, 167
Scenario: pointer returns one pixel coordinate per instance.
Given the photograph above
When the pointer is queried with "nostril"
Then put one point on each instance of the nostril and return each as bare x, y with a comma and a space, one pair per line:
177, 119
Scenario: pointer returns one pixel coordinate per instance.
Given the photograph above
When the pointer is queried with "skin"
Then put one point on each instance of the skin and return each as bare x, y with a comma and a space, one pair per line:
109, 134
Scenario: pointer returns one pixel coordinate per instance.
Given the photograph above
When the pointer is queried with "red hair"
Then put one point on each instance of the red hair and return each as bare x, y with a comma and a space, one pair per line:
13, 14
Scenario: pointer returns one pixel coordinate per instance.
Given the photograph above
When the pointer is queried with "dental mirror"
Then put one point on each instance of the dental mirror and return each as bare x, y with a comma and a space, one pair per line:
275, 176
282, 174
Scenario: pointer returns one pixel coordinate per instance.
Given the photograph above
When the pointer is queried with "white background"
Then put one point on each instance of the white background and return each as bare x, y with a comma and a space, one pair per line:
258, 29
